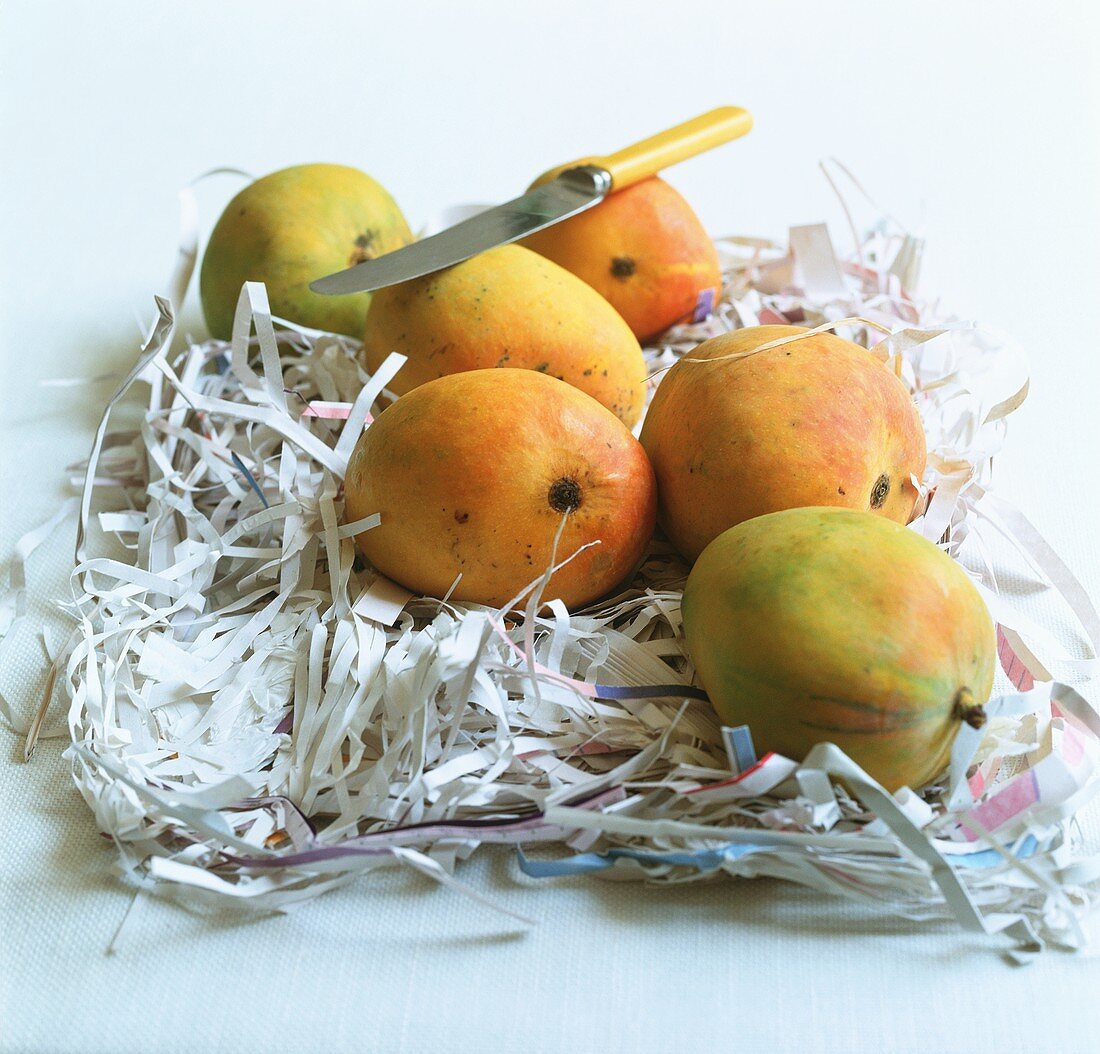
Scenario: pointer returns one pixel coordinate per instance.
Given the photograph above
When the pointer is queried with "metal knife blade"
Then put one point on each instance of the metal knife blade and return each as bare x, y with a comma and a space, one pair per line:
571, 192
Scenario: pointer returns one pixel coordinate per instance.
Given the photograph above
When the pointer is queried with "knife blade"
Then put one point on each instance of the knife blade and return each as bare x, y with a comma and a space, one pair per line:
555, 196
573, 191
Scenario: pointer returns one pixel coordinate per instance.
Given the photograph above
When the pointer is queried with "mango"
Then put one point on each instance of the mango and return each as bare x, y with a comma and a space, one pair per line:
475, 473
835, 625
508, 307
291, 227
815, 421
645, 251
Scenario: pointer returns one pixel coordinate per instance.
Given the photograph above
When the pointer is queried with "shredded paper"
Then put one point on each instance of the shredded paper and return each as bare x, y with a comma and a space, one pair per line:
255, 714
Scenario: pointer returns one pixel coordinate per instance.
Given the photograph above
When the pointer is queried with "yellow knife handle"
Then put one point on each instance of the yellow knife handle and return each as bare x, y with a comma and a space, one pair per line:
647, 158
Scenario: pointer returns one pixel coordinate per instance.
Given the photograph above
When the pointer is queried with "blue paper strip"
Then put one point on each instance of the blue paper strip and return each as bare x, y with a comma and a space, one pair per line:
587, 863
709, 859
991, 858
739, 748
248, 476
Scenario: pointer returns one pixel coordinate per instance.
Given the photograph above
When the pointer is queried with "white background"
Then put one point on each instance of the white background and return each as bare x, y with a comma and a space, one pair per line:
977, 124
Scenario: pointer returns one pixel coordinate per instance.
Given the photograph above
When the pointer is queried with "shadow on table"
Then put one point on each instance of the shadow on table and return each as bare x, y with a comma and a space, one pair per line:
106, 356
399, 908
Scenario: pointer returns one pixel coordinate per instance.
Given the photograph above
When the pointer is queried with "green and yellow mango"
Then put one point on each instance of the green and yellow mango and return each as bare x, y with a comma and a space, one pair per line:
833, 625
291, 227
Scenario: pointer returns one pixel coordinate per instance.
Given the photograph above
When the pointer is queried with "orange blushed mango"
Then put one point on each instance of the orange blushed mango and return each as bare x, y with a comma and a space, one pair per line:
644, 250
815, 421
472, 474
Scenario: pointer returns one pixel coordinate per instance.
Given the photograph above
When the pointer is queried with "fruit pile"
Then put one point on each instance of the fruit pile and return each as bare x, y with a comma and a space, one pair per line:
782, 463
256, 712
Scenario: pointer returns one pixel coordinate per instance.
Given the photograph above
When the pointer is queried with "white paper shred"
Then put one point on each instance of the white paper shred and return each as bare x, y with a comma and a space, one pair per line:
257, 716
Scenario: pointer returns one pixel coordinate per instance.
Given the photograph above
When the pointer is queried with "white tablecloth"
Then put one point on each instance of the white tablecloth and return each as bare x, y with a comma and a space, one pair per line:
986, 115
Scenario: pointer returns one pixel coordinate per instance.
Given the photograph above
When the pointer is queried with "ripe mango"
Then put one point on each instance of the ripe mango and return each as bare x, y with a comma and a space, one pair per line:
816, 421
291, 227
645, 251
472, 474
832, 625
508, 307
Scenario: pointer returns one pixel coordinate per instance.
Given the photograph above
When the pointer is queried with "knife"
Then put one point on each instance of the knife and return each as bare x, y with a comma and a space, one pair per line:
555, 196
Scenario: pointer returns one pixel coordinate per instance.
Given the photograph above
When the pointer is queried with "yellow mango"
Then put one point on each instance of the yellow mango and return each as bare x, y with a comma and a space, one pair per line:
508, 307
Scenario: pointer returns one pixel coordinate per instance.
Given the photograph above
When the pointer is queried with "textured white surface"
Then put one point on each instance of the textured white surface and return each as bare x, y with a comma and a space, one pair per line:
984, 116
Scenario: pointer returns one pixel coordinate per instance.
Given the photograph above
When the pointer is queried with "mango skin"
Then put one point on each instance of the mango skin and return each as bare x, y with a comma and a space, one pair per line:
834, 625
508, 307
817, 421
644, 250
293, 226
466, 471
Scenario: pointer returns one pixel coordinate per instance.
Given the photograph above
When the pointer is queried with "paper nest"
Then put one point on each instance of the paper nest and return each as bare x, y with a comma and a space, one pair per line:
254, 717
